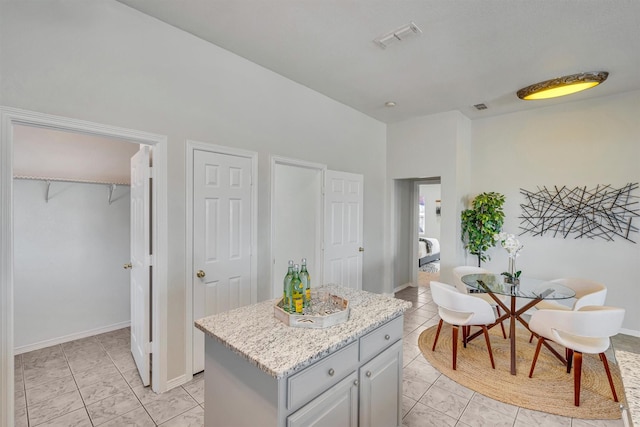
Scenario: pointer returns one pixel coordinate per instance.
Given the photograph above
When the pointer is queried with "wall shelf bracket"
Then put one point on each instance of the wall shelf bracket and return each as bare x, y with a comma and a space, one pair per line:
112, 189
46, 197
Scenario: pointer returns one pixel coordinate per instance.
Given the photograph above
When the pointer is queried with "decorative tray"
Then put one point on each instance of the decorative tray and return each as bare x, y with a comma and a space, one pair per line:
322, 314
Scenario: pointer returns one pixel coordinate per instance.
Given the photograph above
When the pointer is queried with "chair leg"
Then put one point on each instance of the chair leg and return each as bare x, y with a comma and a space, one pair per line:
577, 376
454, 330
486, 337
606, 368
504, 334
531, 338
569, 357
535, 356
435, 341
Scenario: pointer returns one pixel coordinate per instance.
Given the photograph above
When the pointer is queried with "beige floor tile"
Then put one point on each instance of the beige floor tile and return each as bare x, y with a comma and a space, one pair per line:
444, 401
481, 415
170, 404
136, 418
38, 376
20, 416
50, 390
95, 375
54, 407
195, 390
112, 407
132, 377
77, 418
108, 386
423, 416
192, 418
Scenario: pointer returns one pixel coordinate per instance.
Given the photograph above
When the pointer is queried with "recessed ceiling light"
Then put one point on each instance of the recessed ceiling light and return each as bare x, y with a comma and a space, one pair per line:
561, 86
390, 104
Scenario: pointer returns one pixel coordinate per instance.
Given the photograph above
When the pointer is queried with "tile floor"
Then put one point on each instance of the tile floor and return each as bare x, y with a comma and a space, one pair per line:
431, 399
94, 381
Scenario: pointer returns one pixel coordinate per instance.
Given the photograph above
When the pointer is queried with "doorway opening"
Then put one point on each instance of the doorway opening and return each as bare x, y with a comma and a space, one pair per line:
10, 119
417, 209
71, 236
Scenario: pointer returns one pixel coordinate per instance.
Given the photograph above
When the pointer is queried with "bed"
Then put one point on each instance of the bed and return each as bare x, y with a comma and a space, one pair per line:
428, 250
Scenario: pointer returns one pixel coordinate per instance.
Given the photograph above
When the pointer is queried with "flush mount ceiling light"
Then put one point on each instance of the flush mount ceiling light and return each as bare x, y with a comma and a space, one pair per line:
562, 85
390, 104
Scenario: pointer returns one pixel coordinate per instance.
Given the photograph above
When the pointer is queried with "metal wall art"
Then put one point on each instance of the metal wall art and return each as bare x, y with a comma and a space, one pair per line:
601, 212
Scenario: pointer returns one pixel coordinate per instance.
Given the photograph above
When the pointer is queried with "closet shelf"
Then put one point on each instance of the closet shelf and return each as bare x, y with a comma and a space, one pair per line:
112, 185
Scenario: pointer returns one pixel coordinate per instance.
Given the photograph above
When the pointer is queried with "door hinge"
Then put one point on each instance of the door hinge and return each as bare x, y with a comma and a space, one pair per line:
149, 347
151, 260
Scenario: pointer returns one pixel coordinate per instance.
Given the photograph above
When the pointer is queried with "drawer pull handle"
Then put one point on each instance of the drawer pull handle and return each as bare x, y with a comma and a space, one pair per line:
368, 373
331, 372
387, 337
356, 382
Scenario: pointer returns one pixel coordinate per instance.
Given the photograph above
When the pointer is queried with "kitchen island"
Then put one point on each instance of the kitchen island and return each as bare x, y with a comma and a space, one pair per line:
260, 372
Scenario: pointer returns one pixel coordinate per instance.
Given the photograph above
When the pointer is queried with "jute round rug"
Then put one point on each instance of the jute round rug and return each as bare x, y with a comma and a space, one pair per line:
551, 388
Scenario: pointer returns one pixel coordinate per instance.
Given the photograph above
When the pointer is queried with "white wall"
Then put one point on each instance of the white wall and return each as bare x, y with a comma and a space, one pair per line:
107, 63
583, 143
68, 261
426, 147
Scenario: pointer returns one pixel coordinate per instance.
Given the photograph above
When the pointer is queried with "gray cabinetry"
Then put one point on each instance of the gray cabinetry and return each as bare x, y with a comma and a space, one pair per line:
376, 380
381, 389
337, 406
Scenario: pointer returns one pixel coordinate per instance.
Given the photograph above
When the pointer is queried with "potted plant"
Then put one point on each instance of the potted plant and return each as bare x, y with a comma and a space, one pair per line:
482, 223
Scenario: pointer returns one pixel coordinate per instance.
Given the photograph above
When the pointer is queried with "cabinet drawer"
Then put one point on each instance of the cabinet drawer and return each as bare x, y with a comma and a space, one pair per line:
376, 341
309, 383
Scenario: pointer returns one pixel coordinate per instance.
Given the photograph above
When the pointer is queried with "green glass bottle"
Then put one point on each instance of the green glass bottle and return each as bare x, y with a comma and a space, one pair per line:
297, 291
287, 297
306, 282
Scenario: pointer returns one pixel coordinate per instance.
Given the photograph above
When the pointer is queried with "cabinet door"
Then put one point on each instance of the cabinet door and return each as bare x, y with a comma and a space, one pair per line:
381, 389
338, 406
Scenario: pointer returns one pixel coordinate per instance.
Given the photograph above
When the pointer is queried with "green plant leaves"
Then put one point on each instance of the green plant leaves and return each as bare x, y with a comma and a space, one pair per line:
481, 223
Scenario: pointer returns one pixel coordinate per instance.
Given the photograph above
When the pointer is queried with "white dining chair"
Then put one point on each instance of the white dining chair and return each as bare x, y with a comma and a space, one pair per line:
463, 270
459, 309
588, 292
587, 330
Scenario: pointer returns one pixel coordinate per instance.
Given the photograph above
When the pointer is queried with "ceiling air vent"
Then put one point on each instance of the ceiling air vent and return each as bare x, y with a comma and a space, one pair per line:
480, 106
397, 35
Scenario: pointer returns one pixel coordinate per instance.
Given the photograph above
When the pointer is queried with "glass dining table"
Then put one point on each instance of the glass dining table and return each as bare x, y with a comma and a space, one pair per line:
531, 289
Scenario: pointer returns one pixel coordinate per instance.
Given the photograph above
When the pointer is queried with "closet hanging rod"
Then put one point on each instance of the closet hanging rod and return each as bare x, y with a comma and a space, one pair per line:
78, 181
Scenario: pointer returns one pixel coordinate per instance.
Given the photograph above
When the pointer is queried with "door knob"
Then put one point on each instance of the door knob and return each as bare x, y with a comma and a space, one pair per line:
360, 249
200, 274
127, 266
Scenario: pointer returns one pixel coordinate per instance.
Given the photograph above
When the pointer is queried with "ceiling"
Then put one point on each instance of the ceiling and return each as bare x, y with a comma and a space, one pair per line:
53, 154
469, 52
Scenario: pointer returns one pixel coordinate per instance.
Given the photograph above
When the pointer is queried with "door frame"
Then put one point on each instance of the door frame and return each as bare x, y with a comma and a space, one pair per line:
415, 215
279, 160
13, 116
191, 147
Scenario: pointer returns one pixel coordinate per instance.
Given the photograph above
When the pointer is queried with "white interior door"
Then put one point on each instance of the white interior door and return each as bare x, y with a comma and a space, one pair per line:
141, 262
343, 229
221, 238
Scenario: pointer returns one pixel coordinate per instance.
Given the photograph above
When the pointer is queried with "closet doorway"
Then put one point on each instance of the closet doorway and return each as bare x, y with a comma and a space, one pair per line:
13, 120
71, 235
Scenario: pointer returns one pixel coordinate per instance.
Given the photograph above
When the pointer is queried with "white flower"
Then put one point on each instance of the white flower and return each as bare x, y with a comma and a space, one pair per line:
510, 243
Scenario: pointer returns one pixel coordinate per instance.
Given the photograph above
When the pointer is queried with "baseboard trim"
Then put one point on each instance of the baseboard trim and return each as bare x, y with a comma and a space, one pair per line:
178, 381
401, 287
631, 332
72, 337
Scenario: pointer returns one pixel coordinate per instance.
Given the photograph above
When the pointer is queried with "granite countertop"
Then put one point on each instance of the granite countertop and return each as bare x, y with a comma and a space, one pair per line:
629, 364
279, 350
